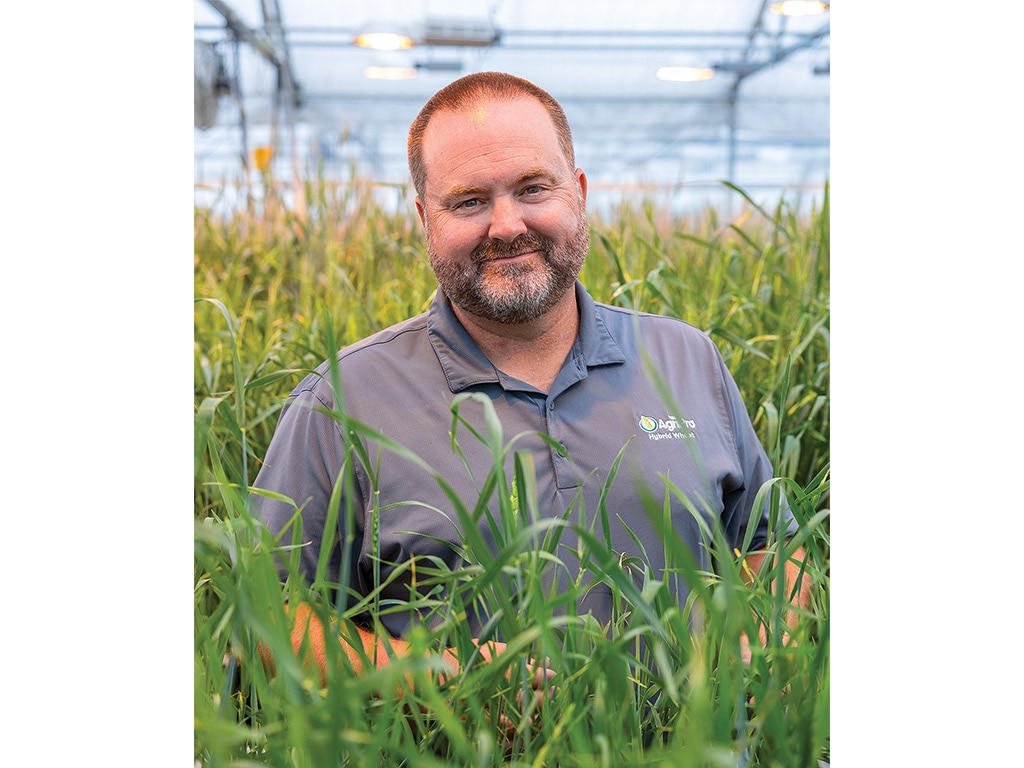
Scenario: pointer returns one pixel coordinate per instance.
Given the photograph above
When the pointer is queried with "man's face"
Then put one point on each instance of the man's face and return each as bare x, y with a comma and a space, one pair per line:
504, 215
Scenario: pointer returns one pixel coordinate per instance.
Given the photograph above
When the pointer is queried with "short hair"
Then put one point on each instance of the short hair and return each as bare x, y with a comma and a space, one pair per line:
470, 88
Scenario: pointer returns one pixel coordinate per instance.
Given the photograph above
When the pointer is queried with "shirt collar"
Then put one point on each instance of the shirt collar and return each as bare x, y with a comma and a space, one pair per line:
465, 365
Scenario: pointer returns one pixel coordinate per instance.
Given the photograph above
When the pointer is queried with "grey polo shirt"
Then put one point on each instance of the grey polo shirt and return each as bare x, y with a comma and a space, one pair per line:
605, 400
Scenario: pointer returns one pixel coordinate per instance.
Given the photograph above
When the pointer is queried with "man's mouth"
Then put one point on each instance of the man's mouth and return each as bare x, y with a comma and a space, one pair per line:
490, 254
514, 256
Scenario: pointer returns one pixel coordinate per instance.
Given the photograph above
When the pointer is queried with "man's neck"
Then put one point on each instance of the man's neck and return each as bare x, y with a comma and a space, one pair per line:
532, 352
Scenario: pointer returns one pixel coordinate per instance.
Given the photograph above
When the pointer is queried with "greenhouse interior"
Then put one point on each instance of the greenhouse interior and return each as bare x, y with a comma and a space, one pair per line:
666, 99
640, 577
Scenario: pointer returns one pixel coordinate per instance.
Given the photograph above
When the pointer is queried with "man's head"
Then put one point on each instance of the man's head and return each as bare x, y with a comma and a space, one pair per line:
502, 205
480, 86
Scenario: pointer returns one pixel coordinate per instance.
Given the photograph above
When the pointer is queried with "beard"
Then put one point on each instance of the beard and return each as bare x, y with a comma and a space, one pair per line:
513, 293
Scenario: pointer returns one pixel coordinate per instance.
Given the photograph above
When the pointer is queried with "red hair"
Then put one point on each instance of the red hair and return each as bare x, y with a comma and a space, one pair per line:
476, 87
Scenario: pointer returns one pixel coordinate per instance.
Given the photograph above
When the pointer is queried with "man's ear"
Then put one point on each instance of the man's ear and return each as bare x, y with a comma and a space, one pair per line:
420, 211
581, 179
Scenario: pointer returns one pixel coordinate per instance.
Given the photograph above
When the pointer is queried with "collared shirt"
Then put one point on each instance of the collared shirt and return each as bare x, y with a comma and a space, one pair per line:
642, 403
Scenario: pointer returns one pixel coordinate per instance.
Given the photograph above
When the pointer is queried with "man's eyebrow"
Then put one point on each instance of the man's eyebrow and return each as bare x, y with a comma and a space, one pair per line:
533, 175
466, 190
462, 191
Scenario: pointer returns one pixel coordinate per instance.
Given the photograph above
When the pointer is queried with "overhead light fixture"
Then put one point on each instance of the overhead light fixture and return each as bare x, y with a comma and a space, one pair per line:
454, 33
685, 74
798, 7
383, 41
435, 65
390, 73
741, 68
458, 32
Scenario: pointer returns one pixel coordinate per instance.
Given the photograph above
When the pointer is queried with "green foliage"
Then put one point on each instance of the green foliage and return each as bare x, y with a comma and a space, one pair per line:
277, 292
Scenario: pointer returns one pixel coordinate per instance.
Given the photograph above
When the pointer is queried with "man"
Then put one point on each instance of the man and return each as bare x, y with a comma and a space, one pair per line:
503, 208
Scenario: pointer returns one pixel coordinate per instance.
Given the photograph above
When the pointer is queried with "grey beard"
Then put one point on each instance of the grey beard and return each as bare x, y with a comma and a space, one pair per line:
513, 293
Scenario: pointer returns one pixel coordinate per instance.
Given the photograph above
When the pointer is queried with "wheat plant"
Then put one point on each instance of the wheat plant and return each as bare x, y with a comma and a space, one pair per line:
277, 292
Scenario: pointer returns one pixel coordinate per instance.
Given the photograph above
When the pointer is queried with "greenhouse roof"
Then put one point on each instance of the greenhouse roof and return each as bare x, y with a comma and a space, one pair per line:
287, 74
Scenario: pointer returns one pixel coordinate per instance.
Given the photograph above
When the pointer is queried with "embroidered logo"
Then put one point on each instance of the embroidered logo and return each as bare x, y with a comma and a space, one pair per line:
668, 427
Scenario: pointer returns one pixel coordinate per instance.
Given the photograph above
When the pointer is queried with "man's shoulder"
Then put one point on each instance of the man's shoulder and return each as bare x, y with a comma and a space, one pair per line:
384, 340
626, 319
396, 342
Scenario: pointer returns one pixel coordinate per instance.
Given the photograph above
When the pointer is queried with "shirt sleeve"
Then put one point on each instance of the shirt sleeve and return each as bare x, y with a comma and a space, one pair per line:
739, 512
304, 462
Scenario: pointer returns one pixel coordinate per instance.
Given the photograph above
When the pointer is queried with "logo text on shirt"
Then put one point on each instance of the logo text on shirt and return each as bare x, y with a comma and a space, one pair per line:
667, 428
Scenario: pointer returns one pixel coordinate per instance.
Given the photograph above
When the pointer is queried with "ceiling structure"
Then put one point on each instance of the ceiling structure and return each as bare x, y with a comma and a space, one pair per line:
287, 74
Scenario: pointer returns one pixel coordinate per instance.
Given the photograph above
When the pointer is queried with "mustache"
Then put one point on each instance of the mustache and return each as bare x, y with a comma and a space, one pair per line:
498, 249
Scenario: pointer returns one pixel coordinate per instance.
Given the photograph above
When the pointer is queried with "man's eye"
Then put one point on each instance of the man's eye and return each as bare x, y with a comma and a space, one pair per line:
468, 203
533, 189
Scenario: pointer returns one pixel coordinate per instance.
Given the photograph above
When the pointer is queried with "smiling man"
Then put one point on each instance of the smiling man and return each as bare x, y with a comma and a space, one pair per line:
504, 215
503, 207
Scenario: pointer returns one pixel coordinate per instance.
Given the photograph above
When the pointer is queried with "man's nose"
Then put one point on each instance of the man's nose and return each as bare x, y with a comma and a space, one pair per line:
506, 219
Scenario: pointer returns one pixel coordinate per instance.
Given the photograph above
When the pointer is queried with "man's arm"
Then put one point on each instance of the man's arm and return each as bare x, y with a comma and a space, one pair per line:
378, 649
795, 578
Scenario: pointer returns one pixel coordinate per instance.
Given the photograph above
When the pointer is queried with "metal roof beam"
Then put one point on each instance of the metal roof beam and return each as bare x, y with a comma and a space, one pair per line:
243, 32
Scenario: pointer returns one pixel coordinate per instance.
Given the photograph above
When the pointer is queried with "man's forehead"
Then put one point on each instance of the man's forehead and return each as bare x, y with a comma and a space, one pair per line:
482, 109
515, 121
479, 113
498, 127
